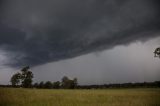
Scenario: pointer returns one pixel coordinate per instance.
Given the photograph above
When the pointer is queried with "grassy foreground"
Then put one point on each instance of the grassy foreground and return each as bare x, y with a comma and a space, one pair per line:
109, 97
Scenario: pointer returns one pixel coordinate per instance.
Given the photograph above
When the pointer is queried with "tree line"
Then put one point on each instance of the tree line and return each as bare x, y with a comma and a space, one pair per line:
65, 83
24, 79
25, 76
155, 84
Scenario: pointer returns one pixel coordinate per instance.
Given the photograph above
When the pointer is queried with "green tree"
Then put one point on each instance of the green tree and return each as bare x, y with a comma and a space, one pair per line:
41, 84
15, 79
68, 83
26, 77
64, 82
48, 85
75, 81
157, 52
56, 85
35, 85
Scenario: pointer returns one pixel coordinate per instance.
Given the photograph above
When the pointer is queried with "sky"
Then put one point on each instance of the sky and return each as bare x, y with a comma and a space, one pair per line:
97, 41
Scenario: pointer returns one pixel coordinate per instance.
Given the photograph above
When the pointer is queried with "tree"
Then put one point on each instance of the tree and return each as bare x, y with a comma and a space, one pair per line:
68, 83
41, 84
56, 85
157, 52
26, 77
65, 82
36, 85
75, 81
15, 79
48, 85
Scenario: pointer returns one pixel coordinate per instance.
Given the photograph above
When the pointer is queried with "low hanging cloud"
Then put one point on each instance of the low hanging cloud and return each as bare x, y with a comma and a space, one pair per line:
34, 32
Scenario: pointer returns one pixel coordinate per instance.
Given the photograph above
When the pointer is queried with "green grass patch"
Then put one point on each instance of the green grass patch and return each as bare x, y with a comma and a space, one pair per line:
108, 97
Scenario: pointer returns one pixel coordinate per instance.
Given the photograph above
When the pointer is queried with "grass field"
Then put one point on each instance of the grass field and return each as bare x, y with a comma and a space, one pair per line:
108, 97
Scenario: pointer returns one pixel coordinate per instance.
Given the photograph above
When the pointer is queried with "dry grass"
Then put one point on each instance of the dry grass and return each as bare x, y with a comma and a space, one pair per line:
109, 97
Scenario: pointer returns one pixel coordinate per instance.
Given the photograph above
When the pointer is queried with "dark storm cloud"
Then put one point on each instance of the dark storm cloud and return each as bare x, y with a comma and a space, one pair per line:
35, 32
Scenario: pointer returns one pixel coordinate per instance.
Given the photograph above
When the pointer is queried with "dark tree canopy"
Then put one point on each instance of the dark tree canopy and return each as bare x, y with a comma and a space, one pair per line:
68, 83
25, 77
48, 85
56, 85
15, 79
157, 52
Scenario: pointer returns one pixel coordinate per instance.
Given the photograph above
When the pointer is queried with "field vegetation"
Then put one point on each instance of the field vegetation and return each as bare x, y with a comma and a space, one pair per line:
94, 97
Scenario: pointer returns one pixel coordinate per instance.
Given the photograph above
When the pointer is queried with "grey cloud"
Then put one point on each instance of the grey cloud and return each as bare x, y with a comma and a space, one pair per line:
35, 32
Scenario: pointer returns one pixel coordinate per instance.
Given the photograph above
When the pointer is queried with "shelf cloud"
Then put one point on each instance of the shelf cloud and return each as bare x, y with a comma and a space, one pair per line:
35, 32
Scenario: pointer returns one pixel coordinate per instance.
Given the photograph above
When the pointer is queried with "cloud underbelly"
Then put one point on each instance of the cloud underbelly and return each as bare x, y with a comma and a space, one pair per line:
37, 33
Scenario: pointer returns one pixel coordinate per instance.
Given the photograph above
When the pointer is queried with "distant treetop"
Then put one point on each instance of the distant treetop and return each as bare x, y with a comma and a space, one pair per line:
157, 52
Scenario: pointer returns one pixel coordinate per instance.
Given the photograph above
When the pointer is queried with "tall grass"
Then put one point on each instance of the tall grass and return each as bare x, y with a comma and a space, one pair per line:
109, 97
